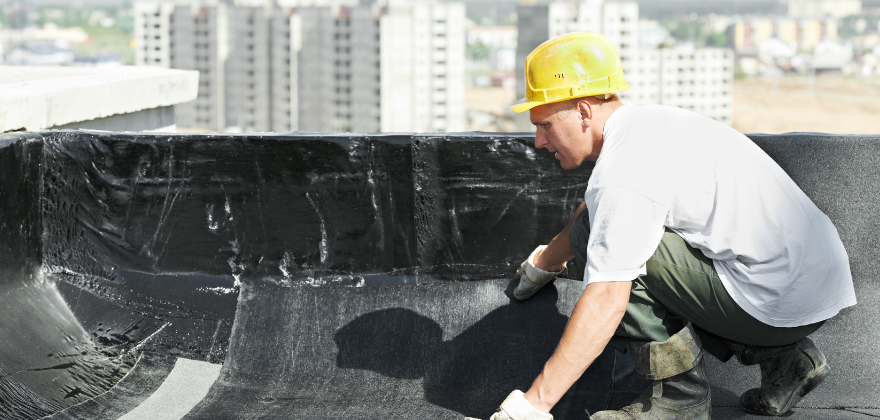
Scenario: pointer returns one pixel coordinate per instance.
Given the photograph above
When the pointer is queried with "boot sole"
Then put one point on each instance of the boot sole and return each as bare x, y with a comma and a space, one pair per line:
808, 384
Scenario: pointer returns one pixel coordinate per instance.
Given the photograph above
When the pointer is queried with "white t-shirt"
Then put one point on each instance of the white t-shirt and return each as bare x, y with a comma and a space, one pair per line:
777, 254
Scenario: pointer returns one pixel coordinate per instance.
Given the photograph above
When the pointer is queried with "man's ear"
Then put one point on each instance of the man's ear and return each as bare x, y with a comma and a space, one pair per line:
586, 113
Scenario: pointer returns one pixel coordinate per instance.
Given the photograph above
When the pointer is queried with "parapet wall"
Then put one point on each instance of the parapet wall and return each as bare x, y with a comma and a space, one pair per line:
289, 209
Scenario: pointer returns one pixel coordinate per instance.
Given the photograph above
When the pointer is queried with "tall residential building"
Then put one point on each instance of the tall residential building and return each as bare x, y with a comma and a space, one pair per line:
248, 81
189, 37
395, 66
284, 62
747, 34
422, 63
200, 41
833, 8
700, 80
153, 34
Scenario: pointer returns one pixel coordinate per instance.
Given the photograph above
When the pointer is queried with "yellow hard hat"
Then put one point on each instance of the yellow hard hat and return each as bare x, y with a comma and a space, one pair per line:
571, 66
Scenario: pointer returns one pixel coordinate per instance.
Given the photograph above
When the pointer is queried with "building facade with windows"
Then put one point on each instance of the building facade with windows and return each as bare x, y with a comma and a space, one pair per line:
833, 8
422, 54
385, 66
189, 37
700, 80
747, 34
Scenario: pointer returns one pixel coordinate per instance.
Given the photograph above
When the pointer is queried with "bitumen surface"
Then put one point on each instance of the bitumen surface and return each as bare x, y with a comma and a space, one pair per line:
328, 276
337, 353
456, 361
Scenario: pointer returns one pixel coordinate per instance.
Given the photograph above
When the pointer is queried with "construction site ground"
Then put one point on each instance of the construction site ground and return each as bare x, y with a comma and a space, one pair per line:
828, 103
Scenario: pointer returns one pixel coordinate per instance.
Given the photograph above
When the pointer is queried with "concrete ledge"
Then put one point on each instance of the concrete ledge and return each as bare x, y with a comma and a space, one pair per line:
152, 120
37, 98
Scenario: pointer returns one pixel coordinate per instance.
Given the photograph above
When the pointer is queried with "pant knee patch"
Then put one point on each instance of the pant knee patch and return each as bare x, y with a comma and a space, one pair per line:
660, 360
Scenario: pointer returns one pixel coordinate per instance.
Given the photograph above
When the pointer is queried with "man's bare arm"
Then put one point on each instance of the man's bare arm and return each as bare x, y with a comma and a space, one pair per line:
593, 322
558, 251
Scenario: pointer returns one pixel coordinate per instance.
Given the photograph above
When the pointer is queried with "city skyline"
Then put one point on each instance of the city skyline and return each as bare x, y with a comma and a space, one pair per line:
368, 68
258, 89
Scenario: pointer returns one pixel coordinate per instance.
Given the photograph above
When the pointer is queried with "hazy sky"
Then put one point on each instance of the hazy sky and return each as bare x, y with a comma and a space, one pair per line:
650, 8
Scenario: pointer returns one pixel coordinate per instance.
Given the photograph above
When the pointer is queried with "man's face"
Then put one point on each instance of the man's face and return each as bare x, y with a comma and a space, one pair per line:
563, 133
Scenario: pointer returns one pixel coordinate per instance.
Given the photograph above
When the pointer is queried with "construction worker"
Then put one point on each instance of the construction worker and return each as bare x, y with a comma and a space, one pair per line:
693, 239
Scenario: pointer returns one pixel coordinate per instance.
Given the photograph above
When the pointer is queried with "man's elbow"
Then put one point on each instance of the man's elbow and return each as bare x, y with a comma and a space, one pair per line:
612, 296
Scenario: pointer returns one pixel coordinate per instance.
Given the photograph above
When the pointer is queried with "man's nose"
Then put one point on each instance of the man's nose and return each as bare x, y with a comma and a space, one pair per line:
540, 141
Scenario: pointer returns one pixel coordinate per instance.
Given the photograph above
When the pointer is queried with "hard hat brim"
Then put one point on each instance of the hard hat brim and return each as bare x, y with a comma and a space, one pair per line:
524, 105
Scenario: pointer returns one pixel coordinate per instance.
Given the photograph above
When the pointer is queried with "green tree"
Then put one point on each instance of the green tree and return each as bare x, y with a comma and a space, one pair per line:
477, 52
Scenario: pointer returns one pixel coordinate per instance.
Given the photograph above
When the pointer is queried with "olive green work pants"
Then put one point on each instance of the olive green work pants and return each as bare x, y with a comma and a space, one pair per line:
682, 285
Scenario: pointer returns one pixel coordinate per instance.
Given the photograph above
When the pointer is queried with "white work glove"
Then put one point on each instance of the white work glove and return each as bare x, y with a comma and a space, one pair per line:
531, 278
516, 407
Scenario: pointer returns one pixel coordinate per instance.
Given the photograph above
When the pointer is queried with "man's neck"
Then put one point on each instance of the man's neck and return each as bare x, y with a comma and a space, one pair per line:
603, 113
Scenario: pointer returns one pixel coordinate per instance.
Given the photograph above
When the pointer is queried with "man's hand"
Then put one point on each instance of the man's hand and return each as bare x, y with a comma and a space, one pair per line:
532, 278
546, 262
515, 407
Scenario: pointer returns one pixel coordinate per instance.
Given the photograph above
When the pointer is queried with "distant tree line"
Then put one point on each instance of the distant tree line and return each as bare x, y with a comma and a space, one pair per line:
695, 32
674, 9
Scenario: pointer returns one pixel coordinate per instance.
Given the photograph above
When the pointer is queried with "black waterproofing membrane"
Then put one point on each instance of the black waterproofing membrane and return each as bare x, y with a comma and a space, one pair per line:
339, 276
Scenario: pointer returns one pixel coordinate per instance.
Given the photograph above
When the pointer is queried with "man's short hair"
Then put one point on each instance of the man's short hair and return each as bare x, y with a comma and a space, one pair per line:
569, 105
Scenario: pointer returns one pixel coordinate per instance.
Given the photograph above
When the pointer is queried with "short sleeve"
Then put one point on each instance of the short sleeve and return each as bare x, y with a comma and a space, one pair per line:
625, 229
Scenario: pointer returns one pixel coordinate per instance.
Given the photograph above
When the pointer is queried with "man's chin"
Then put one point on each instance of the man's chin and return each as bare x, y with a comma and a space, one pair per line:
567, 165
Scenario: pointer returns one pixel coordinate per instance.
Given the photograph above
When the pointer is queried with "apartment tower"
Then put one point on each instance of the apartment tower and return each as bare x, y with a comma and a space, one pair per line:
385, 66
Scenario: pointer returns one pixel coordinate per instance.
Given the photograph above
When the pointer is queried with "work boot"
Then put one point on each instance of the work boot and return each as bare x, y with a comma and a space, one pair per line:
679, 387
787, 374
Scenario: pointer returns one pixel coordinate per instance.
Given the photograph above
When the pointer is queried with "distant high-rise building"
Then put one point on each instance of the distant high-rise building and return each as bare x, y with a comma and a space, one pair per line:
816, 8
696, 79
422, 67
700, 80
190, 37
153, 34
247, 72
200, 41
390, 66
748, 33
